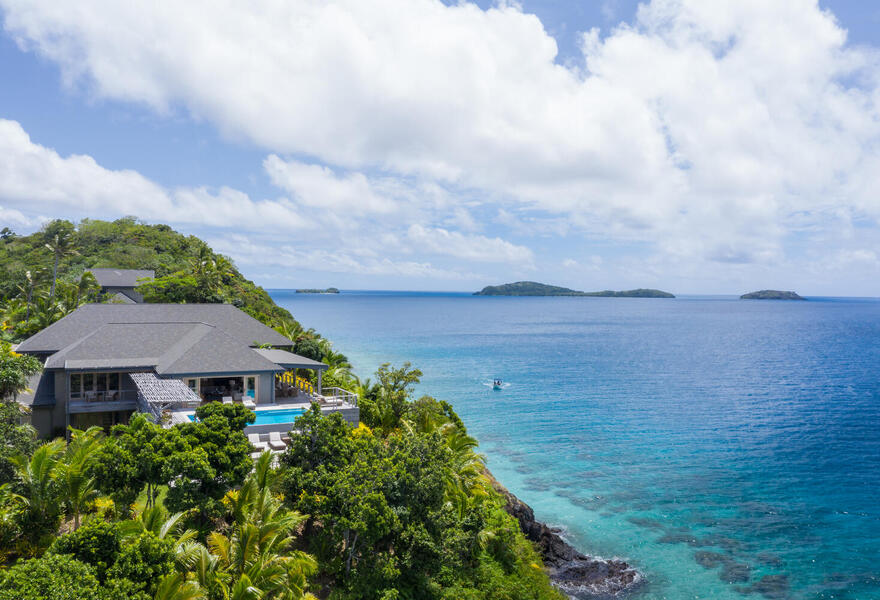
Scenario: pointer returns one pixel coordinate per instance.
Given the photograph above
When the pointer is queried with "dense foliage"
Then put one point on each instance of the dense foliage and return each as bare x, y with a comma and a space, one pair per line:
41, 275
15, 369
397, 508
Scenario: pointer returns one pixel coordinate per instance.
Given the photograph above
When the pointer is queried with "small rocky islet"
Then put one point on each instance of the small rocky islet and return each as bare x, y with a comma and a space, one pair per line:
771, 295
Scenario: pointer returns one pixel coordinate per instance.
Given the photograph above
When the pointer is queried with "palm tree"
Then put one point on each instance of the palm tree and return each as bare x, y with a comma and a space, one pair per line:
336, 360
61, 244
289, 329
37, 488
165, 526
86, 288
175, 587
76, 485
255, 561
26, 290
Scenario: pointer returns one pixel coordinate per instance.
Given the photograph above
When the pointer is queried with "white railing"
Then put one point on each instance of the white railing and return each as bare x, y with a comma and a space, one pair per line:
334, 396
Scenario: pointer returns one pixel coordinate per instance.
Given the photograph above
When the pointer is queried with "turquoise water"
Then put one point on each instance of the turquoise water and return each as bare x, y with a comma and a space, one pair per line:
727, 448
270, 417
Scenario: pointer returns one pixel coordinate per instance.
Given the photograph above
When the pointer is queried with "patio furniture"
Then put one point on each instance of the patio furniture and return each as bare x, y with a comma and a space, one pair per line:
250, 404
227, 399
254, 439
275, 441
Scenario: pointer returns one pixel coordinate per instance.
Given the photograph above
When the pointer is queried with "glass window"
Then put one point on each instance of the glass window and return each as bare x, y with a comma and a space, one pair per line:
112, 381
88, 382
75, 385
101, 382
251, 384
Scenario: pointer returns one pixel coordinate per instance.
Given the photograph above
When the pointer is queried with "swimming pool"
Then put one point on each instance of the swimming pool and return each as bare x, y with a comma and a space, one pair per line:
271, 417
285, 415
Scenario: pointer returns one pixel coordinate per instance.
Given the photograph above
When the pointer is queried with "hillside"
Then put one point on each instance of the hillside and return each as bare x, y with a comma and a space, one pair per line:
532, 288
187, 270
771, 295
407, 483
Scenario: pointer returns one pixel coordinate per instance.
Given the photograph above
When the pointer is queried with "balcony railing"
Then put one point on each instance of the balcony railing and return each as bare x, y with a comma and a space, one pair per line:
83, 402
334, 396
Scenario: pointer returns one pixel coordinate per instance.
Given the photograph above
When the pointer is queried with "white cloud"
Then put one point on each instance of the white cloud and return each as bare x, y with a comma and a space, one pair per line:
38, 178
339, 260
317, 186
9, 217
709, 129
34, 175
435, 240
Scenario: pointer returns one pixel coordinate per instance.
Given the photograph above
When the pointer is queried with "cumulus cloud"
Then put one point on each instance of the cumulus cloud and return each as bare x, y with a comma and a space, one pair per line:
478, 248
38, 177
339, 260
9, 217
318, 186
710, 129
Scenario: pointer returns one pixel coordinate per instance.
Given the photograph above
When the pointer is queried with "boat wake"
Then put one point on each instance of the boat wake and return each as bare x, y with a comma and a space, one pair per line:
491, 384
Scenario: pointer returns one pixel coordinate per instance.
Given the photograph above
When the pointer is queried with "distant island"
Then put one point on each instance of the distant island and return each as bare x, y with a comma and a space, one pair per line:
330, 290
771, 295
532, 288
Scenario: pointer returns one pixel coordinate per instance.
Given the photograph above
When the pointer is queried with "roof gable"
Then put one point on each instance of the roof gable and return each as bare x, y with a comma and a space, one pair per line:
171, 349
121, 277
87, 319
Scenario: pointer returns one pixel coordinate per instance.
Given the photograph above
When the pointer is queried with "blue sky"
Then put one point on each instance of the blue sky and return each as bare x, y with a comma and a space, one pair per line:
408, 144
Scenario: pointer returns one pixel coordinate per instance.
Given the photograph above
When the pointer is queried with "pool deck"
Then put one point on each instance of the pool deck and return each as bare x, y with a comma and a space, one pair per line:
349, 412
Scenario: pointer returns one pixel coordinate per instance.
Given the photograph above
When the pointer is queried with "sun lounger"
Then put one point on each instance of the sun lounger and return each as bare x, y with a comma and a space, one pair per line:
249, 404
275, 441
227, 399
254, 439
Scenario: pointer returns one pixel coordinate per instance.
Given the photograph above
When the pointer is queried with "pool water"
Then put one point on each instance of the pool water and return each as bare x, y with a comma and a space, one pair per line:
271, 417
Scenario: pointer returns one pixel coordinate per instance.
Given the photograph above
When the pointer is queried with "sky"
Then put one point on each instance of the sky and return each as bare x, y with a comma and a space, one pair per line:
696, 146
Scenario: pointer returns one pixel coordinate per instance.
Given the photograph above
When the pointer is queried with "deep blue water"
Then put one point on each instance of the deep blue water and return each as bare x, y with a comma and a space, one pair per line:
661, 430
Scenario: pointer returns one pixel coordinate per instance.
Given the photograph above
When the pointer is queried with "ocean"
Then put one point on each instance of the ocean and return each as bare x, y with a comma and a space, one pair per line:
726, 448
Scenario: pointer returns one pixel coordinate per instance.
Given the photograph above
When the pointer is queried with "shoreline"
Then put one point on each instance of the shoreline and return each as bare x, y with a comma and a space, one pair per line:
578, 575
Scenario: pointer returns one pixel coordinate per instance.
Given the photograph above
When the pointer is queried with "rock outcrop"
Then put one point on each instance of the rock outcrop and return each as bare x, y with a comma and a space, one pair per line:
577, 574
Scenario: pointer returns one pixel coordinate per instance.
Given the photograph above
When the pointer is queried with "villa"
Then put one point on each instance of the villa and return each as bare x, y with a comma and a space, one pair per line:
121, 284
103, 362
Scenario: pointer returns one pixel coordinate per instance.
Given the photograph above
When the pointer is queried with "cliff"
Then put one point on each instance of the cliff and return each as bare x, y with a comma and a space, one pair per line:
576, 574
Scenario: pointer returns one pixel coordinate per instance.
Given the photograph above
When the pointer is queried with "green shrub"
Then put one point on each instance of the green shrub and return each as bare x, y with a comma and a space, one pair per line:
53, 577
144, 561
96, 543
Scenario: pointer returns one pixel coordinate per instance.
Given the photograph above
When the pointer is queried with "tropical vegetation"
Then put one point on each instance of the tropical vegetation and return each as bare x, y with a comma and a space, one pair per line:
398, 507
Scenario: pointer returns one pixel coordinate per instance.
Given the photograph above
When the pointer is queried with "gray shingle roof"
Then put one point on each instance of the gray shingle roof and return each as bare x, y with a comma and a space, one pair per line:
289, 360
121, 277
120, 298
171, 349
40, 392
87, 319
